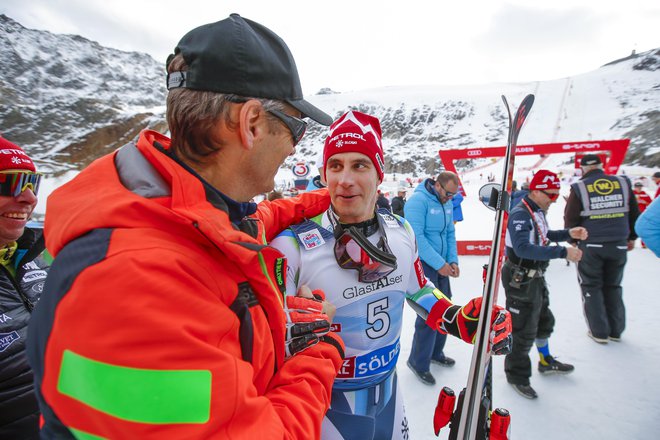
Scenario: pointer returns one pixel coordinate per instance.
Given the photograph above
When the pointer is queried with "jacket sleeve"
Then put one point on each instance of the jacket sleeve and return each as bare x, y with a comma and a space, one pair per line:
572, 210
161, 357
451, 243
279, 214
415, 212
559, 235
648, 227
520, 228
633, 212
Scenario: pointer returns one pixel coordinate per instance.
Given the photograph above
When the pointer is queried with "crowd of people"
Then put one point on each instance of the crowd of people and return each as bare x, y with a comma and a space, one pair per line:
179, 308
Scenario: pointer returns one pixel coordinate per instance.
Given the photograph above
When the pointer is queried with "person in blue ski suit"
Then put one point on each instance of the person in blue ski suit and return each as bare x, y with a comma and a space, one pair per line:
365, 260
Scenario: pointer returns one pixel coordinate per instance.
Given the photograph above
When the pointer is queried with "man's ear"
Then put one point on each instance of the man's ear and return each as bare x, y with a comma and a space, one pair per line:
248, 129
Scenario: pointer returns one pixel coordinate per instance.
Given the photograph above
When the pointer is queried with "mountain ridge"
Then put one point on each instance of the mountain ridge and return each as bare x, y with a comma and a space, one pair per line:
68, 100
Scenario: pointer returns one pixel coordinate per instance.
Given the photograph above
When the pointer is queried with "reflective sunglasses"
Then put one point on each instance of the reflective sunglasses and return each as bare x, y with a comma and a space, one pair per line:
296, 126
447, 193
13, 184
354, 251
551, 196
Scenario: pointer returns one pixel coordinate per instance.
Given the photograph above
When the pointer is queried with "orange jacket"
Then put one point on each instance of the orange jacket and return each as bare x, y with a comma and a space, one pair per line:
161, 320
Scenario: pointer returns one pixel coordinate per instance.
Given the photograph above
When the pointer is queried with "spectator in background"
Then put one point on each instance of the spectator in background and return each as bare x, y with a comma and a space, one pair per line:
528, 253
399, 202
456, 205
656, 179
317, 182
518, 195
648, 226
430, 213
382, 202
163, 316
25, 263
606, 206
643, 200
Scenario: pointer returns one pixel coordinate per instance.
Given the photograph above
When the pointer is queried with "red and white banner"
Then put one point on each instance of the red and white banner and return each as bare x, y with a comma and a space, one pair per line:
617, 151
473, 247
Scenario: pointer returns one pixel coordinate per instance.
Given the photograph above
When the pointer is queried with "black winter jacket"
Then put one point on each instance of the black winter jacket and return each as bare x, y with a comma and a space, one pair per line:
19, 413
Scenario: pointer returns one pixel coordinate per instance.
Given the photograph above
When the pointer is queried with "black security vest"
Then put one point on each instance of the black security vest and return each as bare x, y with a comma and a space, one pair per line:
605, 204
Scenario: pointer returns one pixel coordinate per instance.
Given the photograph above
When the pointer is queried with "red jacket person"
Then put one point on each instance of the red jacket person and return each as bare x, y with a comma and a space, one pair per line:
164, 314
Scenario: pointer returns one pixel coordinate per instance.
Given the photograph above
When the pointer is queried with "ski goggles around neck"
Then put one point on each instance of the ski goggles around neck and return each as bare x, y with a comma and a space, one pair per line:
14, 183
354, 251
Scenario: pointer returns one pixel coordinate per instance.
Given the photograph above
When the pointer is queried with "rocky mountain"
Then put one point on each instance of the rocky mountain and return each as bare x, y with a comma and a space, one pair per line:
68, 100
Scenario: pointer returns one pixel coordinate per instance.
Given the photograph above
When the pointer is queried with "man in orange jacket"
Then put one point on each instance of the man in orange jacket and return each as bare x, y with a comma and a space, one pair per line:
164, 314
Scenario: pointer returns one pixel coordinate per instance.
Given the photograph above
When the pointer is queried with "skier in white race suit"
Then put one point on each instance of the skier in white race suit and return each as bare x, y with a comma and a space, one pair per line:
366, 262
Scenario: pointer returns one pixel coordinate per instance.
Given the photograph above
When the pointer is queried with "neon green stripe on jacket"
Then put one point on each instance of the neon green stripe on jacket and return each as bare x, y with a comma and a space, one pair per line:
137, 395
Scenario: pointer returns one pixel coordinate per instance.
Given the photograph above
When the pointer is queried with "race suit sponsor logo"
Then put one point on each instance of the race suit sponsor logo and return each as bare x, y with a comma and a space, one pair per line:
355, 291
390, 221
375, 362
280, 270
311, 239
419, 271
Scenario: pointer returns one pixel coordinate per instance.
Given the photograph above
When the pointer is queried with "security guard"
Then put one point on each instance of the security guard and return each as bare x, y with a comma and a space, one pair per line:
605, 205
528, 254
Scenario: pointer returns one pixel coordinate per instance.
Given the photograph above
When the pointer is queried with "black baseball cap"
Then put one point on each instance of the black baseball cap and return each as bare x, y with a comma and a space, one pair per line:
656, 174
241, 57
590, 159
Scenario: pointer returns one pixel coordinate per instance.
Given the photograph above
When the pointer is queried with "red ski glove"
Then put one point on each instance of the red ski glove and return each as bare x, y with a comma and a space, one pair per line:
462, 322
305, 323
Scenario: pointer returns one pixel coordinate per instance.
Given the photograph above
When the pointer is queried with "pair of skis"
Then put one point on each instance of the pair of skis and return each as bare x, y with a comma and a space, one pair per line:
473, 418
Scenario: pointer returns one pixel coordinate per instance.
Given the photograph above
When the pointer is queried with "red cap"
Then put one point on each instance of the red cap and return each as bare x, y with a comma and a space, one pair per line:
544, 179
356, 132
12, 157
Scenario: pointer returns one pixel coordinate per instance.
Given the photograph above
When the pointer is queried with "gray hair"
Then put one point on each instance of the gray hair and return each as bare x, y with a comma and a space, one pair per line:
193, 114
587, 168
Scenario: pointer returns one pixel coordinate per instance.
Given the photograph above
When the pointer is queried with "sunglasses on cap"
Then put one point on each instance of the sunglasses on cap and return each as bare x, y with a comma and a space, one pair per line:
551, 196
354, 251
14, 183
296, 126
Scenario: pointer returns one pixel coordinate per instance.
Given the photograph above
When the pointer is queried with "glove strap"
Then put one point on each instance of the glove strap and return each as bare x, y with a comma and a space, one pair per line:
435, 320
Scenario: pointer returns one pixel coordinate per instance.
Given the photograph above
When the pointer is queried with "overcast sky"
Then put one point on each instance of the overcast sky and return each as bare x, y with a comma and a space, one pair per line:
359, 44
